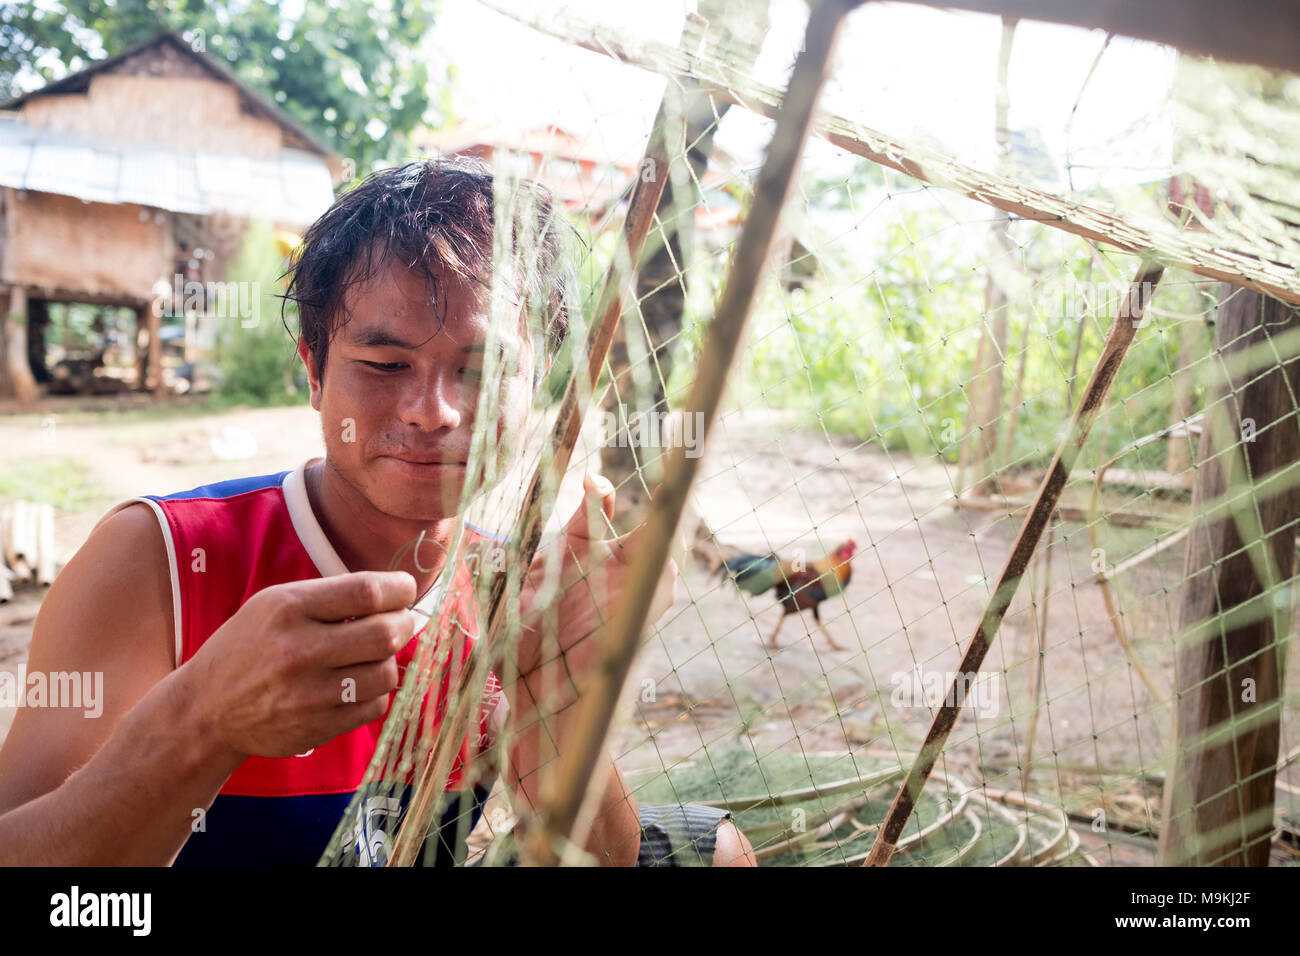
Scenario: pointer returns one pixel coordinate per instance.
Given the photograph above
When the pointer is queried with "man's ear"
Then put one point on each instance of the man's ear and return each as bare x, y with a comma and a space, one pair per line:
313, 375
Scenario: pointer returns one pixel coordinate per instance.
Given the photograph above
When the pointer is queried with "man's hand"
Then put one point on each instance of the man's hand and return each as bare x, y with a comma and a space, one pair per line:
594, 573
567, 604
122, 788
301, 663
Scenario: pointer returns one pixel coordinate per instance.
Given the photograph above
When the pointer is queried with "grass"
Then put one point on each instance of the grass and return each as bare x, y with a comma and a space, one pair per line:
65, 483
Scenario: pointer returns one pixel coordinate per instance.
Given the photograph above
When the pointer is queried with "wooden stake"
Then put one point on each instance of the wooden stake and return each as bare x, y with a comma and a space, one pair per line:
1121, 336
549, 842
433, 780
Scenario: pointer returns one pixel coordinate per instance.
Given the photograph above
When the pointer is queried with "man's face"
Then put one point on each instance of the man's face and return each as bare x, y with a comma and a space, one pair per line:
401, 389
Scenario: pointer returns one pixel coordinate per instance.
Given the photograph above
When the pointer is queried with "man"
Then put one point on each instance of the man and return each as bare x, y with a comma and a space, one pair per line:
251, 633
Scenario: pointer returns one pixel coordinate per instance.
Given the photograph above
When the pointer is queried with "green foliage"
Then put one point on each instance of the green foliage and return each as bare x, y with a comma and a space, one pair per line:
882, 356
887, 352
65, 483
256, 361
351, 71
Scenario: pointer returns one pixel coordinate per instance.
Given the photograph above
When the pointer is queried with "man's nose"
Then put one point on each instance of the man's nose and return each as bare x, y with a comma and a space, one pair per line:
431, 402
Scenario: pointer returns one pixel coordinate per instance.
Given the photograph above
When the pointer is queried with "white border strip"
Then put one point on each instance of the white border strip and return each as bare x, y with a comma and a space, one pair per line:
172, 568
305, 525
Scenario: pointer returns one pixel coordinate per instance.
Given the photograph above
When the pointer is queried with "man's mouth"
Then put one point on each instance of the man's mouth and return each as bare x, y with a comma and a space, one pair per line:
428, 462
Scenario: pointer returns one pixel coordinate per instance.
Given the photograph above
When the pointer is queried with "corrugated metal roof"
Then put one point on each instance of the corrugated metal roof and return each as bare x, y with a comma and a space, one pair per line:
294, 187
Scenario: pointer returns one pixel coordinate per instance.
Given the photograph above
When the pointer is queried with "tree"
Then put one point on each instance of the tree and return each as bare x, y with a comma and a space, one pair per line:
350, 71
688, 118
1237, 615
990, 359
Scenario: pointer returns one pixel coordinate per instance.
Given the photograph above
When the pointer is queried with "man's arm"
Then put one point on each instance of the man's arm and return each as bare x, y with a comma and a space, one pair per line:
615, 835
120, 787
562, 638
123, 787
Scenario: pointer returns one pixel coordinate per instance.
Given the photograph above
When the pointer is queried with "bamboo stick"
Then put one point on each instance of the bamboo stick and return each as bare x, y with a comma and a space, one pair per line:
1166, 542
1103, 577
1121, 336
572, 798
433, 779
1250, 268
1124, 519
1038, 674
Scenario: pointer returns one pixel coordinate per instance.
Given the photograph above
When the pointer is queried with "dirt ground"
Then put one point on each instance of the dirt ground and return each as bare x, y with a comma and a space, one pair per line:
706, 680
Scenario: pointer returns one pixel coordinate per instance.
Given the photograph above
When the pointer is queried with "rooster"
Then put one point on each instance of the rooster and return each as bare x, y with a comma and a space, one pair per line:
798, 586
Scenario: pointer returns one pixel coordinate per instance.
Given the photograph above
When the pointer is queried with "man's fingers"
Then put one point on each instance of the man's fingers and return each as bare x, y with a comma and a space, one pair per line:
345, 718
374, 637
355, 594
356, 685
598, 498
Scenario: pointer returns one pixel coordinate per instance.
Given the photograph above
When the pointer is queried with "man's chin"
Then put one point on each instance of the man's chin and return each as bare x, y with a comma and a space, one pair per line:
430, 497
428, 508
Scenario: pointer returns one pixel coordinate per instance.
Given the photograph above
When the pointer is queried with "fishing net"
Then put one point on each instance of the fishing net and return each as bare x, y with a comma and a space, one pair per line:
916, 353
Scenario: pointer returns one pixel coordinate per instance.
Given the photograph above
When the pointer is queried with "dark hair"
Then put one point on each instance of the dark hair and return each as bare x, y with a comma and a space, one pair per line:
430, 215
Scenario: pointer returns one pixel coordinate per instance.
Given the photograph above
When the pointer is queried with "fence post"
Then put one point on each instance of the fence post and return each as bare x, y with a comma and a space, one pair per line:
1237, 611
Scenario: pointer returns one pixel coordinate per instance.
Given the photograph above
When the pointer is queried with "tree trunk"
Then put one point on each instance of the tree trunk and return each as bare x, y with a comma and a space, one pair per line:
1237, 613
986, 406
642, 366
38, 320
149, 377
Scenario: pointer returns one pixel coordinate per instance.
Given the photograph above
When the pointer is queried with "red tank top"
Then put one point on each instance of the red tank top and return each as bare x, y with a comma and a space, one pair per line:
229, 540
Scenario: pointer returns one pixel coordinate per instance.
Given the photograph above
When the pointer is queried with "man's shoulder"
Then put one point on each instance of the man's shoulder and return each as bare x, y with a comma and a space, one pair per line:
224, 516
229, 488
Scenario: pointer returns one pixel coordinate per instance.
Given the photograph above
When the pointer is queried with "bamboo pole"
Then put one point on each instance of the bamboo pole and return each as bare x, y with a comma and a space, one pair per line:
1103, 577
1121, 336
1251, 268
1038, 674
549, 842
429, 788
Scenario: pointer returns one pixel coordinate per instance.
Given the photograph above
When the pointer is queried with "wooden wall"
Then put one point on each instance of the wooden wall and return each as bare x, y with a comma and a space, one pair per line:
57, 242
179, 112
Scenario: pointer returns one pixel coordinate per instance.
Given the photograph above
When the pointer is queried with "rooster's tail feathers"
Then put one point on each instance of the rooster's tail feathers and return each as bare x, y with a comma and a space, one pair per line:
753, 573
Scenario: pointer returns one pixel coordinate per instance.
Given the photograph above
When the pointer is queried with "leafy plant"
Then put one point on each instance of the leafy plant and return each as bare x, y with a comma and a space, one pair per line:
256, 353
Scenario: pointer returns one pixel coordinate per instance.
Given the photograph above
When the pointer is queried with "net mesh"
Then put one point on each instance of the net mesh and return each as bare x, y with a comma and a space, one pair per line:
912, 364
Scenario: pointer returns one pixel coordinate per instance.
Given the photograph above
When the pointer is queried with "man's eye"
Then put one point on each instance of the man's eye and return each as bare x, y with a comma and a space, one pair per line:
384, 366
